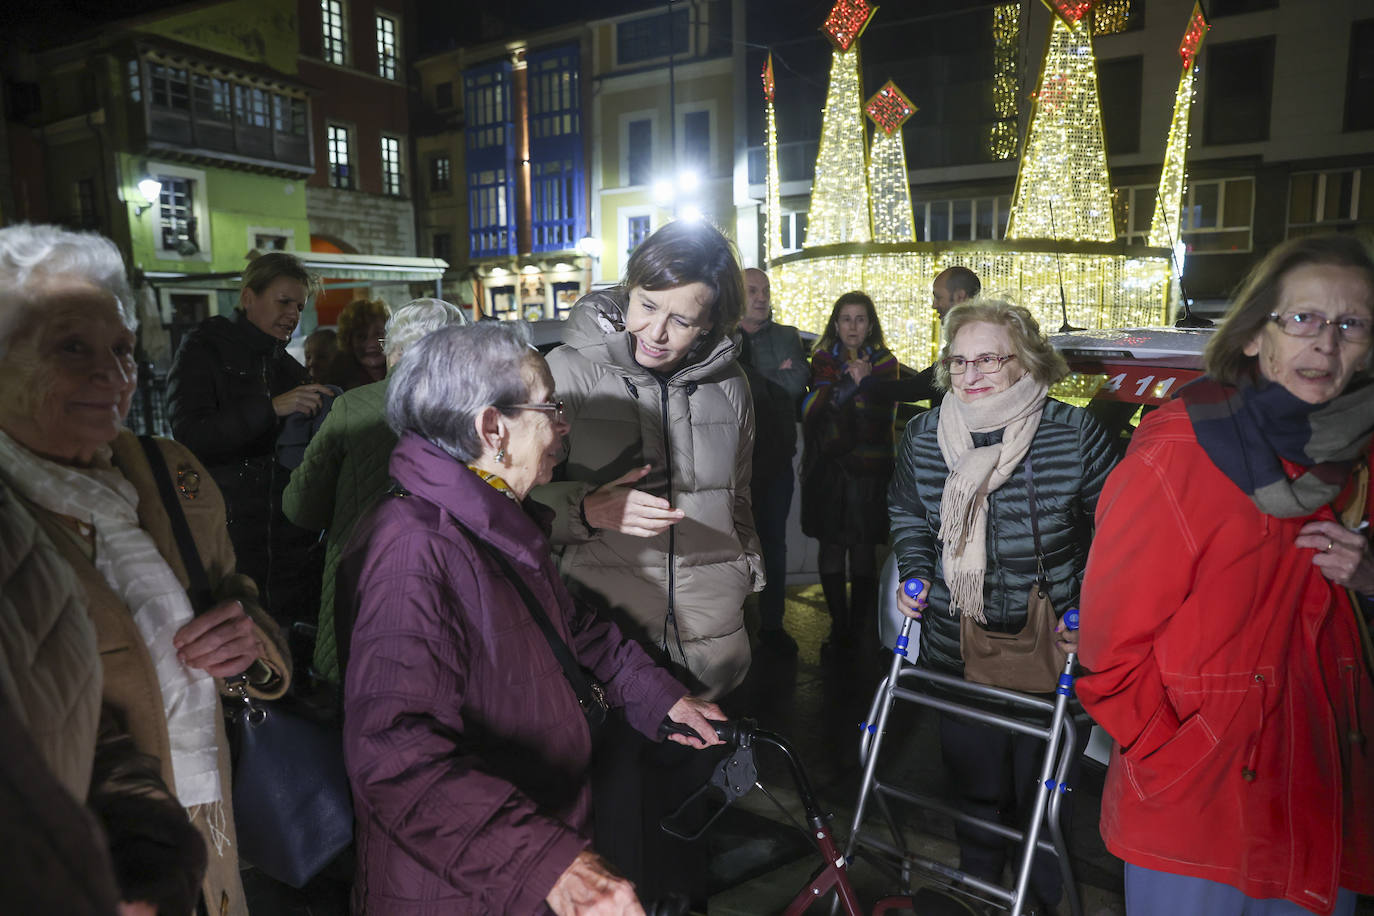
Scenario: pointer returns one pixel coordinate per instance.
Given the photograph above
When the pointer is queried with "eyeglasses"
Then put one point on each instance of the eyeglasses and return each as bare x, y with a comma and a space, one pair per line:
556, 408
1349, 328
987, 365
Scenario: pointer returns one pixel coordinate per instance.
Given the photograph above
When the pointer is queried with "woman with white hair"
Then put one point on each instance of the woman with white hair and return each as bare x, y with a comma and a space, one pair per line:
67, 368
464, 727
344, 469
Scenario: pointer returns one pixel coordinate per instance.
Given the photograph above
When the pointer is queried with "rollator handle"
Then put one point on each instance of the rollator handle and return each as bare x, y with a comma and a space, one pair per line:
913, 588
1071, 619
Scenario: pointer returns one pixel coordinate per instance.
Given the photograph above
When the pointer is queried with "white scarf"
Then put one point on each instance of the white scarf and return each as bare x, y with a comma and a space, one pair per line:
974, 472
131, 565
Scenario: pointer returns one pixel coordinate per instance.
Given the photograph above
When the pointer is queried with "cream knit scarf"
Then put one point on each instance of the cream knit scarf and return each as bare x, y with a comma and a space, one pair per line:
131, 565
974, 473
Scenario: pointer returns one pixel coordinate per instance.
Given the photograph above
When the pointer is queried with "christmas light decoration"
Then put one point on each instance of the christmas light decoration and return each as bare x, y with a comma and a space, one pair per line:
1173, 178
846, 22
1069, 11
1006, 33
1111, 17
888, 187
773, 216
839, 193
1063, 189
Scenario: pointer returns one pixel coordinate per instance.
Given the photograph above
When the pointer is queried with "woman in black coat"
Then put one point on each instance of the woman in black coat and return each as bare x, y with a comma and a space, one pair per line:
230, 389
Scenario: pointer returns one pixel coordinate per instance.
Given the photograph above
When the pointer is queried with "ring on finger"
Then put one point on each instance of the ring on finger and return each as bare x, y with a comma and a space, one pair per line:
1329, 545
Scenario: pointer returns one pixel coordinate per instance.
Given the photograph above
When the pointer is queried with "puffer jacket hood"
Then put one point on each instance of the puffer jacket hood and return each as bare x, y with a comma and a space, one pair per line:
682, 590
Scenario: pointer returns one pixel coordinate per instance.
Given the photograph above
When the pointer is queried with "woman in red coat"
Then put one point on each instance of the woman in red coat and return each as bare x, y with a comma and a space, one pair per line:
1226, 591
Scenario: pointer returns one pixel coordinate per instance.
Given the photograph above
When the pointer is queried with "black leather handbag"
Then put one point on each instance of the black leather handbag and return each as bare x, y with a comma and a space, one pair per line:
293, 809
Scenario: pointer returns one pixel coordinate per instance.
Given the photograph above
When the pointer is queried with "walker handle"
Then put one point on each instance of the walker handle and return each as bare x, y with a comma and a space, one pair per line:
913, 588
1071, 619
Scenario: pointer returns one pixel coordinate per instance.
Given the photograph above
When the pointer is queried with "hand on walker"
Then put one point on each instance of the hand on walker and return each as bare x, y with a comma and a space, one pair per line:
619, 507
913, 607
220, 642
695, 712
1342, 555
588, 887
1064, 638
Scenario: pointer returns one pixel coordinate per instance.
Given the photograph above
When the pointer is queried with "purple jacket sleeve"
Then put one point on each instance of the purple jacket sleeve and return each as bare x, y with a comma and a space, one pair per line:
403, 745
633, 680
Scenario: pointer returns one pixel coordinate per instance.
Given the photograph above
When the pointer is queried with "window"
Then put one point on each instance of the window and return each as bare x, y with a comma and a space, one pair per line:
1240, 82
488, 106
340, 161
696, 141
443, 95
252, 105
1112, 17
1332, 200
488, 209
335, 31
267, 241
169, 87
565, 296
391, 166
1359, 84
85, 212
793, 231
967, 219
176, 216
1236, 7
1217, 215
288, 115
441, 246
554, 209
503, 303
134, 74
388, 51
212, 98
639, 152
1134, 208
637, 229
554, 92
1119, 86
440, 173
648, 37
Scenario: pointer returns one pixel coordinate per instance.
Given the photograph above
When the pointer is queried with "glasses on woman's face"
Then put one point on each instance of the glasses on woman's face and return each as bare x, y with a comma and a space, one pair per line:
554, 407
1349, 328
987, 365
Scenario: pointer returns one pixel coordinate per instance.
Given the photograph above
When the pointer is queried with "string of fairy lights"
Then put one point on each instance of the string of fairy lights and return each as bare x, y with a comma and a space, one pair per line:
861, 199
774, 205
1064, 189
1006, 37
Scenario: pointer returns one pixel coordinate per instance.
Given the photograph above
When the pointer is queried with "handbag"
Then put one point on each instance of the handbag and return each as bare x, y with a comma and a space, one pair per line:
1028, 660
293, 810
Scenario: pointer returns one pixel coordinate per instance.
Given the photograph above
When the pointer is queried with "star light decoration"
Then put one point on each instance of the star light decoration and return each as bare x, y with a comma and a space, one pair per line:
1192, 37
1070, 12
888, 186
847, 21
1173, 178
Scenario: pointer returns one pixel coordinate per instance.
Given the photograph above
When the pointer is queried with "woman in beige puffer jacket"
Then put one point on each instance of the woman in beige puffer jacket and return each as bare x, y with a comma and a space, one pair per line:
653, 510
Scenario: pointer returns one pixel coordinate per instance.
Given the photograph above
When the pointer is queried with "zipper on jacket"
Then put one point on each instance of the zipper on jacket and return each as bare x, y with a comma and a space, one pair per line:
1248, 769
671, 618
1354, 732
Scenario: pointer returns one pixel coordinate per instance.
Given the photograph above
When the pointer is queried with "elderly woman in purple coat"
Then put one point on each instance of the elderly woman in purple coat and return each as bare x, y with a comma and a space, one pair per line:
465, 739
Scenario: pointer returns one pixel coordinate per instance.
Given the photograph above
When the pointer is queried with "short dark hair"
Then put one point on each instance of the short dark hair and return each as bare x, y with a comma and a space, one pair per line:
832, 332
1257, 297
960, 279
691, 251
265, 268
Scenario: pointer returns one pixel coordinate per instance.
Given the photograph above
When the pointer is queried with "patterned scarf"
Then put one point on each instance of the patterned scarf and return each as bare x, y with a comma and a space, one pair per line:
1248, 430
976, 471
493, 481
130, 563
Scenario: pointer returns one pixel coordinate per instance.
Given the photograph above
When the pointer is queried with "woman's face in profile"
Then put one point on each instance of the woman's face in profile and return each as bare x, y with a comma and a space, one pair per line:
277, 309
666, 323
367, 347
536, 435
69, 374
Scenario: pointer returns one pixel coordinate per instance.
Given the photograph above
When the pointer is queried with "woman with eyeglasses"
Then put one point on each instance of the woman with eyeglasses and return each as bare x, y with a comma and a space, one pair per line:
469, 663
1226, 600
994, 494
846, 465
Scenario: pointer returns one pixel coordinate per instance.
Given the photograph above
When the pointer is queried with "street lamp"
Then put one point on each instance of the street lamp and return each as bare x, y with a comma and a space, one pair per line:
594, 248
151, 189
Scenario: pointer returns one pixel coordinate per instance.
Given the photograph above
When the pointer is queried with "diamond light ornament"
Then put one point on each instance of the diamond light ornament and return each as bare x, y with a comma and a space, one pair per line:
839, 192
846, 22
888, 187
889, 108
1070, 12
1063, 189
1193, 36
768, 78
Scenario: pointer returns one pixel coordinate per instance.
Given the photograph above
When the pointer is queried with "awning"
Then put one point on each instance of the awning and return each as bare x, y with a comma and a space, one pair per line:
334, 270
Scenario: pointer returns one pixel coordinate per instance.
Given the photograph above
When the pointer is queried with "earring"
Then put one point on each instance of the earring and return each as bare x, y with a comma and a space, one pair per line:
501, 455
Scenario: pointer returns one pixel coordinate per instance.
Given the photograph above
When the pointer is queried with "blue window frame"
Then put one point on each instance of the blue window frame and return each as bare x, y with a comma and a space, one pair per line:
490, 159
558, 176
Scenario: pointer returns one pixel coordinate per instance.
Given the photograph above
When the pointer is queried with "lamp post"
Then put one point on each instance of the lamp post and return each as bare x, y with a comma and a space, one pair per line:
151, 189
